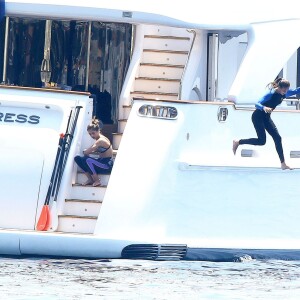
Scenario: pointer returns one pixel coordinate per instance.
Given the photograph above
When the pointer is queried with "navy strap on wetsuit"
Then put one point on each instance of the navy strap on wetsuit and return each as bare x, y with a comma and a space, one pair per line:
262, 121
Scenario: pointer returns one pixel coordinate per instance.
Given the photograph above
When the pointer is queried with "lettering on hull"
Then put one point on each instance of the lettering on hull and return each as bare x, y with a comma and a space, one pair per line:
19, 118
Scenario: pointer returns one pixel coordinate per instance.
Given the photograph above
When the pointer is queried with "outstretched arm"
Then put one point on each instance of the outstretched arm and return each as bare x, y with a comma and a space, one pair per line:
292, 92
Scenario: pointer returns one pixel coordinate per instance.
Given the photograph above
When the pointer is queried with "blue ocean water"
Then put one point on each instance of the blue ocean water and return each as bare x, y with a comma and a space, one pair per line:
43, 278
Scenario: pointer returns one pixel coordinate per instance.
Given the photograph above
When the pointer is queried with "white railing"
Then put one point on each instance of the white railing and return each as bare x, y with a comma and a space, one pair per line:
293, 101
187, 61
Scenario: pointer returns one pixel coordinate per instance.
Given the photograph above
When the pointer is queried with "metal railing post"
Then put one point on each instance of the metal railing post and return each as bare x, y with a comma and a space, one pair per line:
88, 57
187, 61
4, 75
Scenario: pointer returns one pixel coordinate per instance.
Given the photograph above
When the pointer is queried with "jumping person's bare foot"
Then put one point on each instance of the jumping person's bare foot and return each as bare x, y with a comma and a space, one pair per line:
235, 146
284, 166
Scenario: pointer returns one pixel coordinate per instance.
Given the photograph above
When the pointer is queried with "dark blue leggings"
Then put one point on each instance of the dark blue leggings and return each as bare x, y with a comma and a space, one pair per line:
262, 122
94, 165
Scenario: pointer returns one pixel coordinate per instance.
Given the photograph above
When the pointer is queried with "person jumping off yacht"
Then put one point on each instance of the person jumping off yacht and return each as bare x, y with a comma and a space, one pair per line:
261, 118
102, 146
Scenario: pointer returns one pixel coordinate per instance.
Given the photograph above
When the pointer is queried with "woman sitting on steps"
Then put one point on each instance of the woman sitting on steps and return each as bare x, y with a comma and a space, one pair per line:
93, 166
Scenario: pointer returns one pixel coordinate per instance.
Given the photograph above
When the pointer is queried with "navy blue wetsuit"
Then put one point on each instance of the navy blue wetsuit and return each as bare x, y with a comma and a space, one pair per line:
91, 165
262, 121
101, 165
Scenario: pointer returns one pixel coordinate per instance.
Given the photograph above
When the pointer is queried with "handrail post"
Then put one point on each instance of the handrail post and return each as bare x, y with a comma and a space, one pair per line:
88, 57
187, 61
4, 75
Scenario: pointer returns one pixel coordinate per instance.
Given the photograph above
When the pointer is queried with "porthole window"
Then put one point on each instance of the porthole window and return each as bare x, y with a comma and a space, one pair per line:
158, 111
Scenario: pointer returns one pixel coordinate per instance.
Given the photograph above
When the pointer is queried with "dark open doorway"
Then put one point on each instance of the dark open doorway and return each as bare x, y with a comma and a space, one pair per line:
84, 56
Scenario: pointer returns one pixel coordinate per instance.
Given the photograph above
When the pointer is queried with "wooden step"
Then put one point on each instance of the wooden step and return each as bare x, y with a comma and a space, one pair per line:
167, 37
117, 139
167, 43
122, 125
150, 99
154, 93
78, 217
87, 192
158, 79
83, 201
76, 224
82, 208
153, 96
160, 71
81, 178
167, 51
169, 57
157, 85
126, 111
162, 65
87, 186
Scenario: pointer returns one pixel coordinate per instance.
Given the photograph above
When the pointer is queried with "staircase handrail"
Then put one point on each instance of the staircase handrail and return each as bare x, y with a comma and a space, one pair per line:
65, 152
187, 61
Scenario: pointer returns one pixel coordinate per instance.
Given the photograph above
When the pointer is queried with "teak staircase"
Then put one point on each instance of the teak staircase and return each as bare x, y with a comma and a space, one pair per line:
82, 209
164, 57
165, 54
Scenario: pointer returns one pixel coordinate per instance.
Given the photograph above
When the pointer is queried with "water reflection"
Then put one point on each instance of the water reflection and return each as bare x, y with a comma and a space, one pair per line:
129, 279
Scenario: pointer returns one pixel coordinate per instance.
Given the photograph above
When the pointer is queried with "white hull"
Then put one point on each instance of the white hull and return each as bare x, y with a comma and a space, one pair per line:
15, 242
51, 244
195, 193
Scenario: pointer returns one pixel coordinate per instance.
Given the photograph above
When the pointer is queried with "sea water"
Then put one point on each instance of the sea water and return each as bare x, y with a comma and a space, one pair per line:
43, 278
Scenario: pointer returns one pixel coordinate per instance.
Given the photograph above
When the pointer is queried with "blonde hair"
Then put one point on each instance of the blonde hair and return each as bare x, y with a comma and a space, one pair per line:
279, 82
95, 125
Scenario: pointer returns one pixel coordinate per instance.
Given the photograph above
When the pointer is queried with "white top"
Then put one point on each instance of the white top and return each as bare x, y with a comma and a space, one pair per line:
199, 14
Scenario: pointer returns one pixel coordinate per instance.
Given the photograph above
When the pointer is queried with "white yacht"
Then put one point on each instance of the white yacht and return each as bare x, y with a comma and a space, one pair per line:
173, 86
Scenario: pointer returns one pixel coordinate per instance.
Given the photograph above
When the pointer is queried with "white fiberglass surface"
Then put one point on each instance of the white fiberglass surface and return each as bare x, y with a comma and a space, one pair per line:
235, 207
21, 171
264, 59
211, 12
231, 201
28, 139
